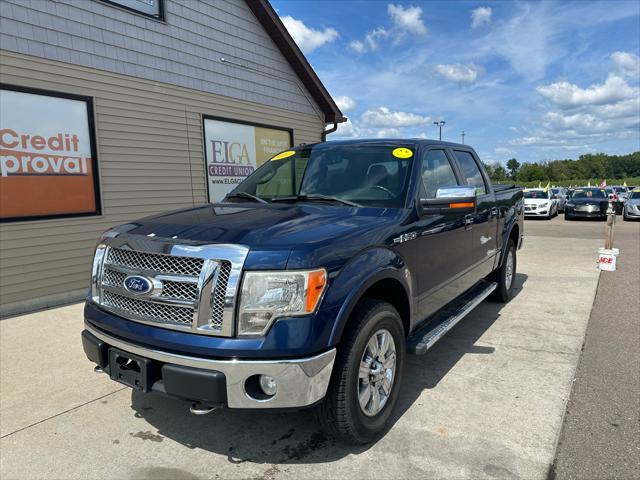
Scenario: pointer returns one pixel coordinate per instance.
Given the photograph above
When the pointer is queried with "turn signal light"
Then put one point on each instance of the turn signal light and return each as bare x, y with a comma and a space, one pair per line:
315, 286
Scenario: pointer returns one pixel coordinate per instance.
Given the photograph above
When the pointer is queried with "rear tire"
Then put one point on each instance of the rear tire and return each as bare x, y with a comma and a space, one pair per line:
340, 414
505, 276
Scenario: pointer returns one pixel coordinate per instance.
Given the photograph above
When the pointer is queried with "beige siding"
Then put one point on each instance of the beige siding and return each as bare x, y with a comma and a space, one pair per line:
150, 154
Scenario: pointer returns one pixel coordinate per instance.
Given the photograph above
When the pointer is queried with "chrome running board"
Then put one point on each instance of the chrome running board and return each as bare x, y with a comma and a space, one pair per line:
434, 328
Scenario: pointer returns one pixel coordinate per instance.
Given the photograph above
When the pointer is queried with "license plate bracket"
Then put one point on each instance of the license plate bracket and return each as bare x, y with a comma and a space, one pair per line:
130, 370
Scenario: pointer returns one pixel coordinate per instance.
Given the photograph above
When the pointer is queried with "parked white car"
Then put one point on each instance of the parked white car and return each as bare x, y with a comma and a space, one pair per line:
539, 202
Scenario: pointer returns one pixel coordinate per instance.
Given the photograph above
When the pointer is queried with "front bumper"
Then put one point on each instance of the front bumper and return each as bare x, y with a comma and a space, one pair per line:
543, 212
572, 212
300, 382
632, 213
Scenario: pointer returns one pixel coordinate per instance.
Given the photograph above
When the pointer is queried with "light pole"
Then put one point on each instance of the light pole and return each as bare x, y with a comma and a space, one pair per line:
463, 134
440, 124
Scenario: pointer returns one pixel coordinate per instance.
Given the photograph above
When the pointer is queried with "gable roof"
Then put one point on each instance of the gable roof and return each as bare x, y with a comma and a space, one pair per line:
271, 22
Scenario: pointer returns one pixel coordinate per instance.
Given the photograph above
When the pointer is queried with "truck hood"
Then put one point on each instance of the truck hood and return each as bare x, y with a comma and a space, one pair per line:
318, 233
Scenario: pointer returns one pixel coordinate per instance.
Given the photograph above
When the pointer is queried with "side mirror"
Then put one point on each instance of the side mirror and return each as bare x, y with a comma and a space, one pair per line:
460, 199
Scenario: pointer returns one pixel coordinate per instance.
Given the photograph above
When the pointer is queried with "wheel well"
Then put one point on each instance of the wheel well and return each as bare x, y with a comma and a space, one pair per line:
515, 234
391, 291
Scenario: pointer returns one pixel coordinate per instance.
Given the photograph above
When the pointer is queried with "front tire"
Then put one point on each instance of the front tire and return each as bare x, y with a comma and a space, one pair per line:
505, 276
366, 376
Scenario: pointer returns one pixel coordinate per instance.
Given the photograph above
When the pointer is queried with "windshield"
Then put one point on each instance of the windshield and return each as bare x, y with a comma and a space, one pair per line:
536, 194
372, 175
635, 195
589, 193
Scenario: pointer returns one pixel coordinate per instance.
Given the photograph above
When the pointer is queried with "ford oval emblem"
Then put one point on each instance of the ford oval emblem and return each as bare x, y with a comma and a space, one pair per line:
138, 284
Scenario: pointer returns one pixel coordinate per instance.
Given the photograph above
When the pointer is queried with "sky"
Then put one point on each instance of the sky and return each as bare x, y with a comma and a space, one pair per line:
532, 80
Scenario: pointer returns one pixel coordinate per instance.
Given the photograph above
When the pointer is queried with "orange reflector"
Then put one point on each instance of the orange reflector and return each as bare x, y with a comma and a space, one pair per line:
315, 287
461, 205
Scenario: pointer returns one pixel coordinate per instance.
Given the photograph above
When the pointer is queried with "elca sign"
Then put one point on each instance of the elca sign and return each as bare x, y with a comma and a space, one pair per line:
230, 159
234, 151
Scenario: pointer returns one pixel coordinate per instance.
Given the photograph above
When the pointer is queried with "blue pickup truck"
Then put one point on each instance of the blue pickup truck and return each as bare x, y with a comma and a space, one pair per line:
308, 284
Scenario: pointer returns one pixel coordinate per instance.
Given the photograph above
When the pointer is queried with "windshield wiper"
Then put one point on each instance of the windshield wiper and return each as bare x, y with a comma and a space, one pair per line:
315, 197
246, 195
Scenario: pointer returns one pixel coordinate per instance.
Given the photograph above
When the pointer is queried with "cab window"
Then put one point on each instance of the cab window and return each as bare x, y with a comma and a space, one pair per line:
436, 172
471, 172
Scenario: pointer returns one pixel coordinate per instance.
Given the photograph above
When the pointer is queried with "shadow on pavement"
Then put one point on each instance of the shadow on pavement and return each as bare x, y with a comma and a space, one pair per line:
282, 438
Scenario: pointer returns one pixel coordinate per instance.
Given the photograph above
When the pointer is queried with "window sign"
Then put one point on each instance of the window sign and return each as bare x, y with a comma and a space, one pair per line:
234, 150
47, 156
151, 8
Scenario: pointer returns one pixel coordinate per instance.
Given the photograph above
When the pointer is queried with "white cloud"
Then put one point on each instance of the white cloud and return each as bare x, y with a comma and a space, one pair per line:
407, 19
459, 73
480, 16
626, 63
307, 38
346, 130
569, 95
345, 103
372, 38
357, 46
504, 151
384, 117
388, 133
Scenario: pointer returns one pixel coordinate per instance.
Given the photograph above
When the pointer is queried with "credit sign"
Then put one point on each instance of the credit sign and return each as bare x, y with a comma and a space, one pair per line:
46, 160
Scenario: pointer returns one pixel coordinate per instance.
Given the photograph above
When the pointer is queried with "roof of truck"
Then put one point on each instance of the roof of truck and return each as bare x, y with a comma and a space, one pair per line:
392, 141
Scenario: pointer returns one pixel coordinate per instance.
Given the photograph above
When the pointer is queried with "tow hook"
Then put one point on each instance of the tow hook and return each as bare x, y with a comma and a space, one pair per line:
200, 409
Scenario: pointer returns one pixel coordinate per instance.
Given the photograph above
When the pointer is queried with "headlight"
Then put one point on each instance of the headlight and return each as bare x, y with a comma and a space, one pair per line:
266, 296
542, 205
570, 204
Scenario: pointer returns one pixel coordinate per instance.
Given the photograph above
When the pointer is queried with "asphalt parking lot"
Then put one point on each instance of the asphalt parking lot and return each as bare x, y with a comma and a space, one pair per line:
487, 402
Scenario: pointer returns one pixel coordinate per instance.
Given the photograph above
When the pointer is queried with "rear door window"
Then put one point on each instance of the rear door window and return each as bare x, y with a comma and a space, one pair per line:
470, 171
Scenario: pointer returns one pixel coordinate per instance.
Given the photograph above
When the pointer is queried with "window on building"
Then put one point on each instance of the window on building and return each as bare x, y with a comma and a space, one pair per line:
149, 8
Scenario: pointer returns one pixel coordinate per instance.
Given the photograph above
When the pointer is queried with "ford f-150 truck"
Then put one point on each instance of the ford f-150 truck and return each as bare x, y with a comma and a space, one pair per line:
308, 284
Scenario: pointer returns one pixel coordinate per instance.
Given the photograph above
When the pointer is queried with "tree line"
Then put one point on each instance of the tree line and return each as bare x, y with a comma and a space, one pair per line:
589, 167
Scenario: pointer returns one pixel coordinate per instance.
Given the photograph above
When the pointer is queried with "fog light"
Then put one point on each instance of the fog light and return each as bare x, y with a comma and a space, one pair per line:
268, 385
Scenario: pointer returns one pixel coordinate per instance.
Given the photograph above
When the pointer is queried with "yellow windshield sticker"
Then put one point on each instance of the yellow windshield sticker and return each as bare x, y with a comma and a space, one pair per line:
282, 155
402, 152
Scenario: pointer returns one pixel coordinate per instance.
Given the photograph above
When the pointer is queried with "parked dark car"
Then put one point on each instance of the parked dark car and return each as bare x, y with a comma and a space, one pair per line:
587, 202
309, 284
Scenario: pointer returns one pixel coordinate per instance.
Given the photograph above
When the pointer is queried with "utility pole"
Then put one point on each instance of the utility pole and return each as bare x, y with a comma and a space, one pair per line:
463, 137
440, 124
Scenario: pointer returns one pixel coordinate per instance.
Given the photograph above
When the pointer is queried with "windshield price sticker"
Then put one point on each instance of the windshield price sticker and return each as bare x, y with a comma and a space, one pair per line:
282, 155
402, 152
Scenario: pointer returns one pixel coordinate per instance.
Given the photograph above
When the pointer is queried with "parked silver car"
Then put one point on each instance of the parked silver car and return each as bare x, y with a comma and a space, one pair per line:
560, 194
632, 206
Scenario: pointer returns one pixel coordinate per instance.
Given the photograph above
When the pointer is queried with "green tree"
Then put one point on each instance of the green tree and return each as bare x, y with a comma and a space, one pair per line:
513, 165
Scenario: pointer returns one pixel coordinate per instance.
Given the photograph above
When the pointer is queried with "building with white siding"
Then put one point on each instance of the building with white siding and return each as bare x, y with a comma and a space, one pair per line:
111, 110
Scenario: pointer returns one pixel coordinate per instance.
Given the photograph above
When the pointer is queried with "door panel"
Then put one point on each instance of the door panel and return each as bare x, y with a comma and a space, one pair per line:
485, 219
442, 248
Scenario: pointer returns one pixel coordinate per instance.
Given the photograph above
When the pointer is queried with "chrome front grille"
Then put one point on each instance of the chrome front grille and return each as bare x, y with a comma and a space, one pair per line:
154, 262
150, 311
193, 287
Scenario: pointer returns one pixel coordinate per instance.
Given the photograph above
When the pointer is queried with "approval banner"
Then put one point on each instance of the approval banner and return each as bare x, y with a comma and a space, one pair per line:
46, 164
234, 150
